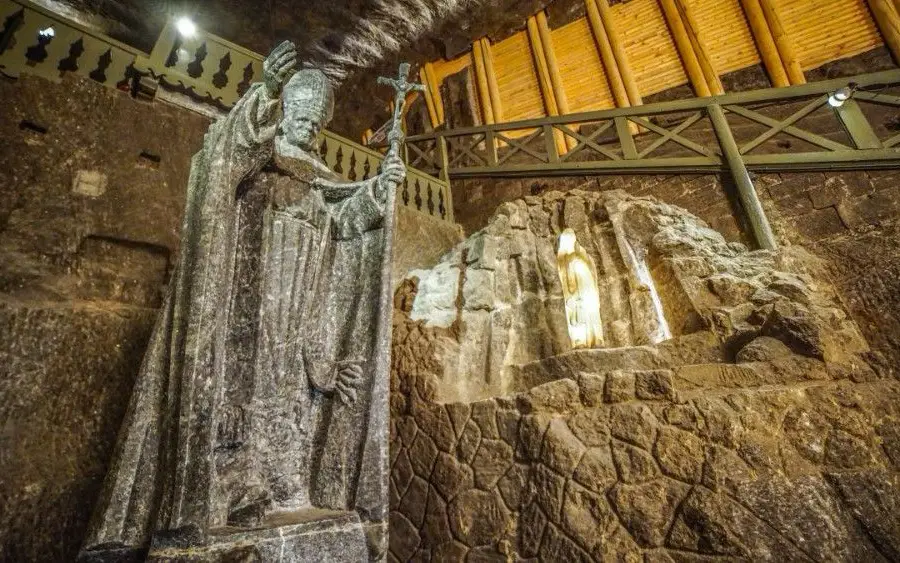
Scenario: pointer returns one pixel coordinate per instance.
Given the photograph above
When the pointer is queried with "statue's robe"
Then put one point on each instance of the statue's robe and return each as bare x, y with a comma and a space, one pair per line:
281, 275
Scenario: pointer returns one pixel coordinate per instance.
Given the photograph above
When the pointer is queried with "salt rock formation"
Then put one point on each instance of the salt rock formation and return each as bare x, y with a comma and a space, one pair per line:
731, 415
662, 272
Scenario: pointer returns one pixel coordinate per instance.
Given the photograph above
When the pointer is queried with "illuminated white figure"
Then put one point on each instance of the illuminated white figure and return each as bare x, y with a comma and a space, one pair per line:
577, 273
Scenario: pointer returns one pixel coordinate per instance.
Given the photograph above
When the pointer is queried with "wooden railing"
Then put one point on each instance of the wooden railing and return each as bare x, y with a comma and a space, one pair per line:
353, 161
798, 128
776, 129
36, 41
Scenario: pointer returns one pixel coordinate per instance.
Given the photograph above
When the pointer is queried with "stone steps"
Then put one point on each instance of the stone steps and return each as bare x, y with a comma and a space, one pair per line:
696, 348
688, 368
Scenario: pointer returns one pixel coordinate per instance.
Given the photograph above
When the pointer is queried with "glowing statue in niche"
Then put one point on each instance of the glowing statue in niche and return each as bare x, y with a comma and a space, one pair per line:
577, 273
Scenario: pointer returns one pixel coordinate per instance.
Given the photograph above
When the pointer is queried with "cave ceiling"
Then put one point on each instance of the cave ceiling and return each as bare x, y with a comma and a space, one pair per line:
351, 40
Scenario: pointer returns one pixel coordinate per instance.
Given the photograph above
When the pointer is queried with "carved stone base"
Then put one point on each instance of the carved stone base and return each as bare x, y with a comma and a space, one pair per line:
294, 537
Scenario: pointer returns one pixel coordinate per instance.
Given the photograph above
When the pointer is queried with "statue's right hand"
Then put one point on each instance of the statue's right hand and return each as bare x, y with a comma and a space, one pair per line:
277, 68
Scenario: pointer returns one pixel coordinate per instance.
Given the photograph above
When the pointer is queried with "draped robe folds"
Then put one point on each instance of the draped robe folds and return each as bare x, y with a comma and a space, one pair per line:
283, 274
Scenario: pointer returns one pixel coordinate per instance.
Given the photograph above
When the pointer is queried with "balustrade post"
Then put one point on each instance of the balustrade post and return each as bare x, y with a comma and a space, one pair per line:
443, 159
550, 141
491, 147
756, 215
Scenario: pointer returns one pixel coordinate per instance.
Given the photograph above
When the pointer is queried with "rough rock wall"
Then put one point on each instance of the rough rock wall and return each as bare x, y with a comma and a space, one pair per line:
90, 216
421, 241
739, 440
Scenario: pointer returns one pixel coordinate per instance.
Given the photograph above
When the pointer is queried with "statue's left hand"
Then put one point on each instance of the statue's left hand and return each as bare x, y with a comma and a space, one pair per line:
349, 378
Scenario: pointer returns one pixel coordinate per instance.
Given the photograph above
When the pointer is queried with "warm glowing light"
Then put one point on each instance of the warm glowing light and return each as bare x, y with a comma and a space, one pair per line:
577, 274
186, 27
48, 32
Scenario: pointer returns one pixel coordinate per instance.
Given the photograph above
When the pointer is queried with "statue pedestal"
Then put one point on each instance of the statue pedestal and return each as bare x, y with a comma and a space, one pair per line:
293, 537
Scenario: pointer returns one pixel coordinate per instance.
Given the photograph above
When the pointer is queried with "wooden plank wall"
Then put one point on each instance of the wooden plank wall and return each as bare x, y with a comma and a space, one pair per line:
820, 30
583, 76
724, 29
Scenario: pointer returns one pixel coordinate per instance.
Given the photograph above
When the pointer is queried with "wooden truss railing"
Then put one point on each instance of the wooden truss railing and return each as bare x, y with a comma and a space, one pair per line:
34, 40
780, 129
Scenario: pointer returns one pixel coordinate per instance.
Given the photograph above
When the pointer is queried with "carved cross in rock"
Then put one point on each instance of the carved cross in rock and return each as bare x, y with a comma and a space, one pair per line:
402, 86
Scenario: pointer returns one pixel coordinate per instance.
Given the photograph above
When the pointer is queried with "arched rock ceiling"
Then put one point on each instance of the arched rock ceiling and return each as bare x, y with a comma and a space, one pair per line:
351, 40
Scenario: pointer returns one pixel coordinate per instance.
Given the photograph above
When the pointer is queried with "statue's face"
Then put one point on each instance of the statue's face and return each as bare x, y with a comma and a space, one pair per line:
301, 126
567, 242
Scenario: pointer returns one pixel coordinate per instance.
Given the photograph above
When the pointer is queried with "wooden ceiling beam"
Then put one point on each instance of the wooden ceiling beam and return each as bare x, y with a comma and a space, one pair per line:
544, 82
700, 49
685, 48
783, 43
765, 43
886, 17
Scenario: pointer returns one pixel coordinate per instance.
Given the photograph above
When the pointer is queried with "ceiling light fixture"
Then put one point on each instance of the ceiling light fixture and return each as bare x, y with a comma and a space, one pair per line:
186, 27
48, 32
837, 99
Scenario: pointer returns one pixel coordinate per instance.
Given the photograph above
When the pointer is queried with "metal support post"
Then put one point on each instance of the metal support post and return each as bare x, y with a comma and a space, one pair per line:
759, 224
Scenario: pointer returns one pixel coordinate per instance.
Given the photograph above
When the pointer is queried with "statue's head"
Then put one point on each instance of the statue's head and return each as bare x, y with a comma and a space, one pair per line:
308, 106
567, 243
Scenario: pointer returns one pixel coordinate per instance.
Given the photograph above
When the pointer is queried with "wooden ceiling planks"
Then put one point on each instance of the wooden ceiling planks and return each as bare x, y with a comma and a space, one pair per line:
584, 77
725, 32
820, 30
827, 30
649, 45
517, 78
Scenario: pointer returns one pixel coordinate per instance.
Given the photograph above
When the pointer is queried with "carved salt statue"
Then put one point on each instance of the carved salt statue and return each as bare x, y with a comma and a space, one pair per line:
578, 276
257, 427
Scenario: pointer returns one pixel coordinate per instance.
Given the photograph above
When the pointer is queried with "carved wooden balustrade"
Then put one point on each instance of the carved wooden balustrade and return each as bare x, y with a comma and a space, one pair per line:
353, 161
36, 41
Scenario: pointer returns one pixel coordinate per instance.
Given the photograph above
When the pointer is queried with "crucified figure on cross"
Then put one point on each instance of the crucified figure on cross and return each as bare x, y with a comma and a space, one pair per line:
402, 87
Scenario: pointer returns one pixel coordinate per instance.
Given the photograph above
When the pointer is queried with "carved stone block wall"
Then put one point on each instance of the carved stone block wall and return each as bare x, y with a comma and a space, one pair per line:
764, 461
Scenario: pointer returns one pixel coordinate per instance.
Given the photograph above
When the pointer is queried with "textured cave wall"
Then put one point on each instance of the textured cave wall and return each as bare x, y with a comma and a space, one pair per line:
90, 218
683, 451
848, 218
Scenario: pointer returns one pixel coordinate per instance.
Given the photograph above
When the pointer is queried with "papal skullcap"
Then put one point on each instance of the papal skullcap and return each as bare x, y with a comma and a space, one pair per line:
310, 89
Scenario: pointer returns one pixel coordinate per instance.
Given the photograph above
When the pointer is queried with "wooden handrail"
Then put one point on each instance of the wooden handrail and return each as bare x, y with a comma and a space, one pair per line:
881, 78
